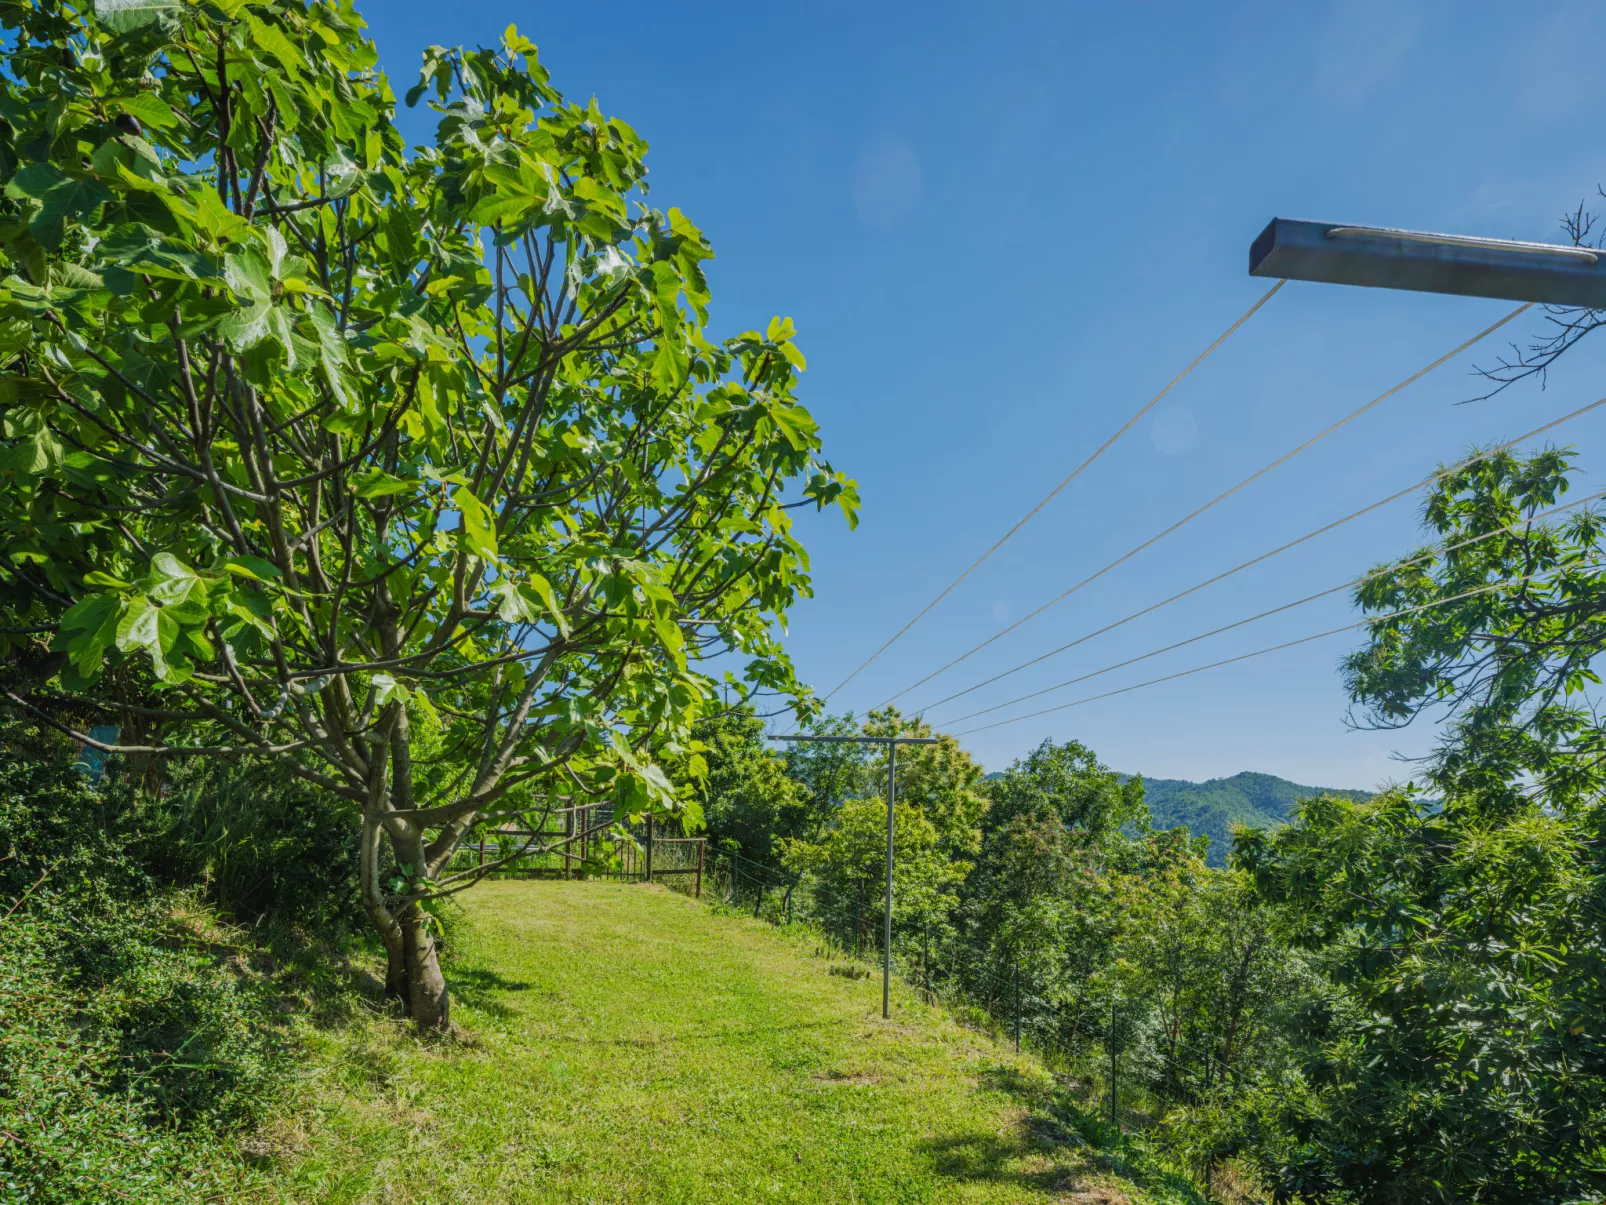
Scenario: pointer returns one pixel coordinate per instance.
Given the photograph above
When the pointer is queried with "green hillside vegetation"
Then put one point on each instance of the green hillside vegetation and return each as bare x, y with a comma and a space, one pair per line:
1212, 809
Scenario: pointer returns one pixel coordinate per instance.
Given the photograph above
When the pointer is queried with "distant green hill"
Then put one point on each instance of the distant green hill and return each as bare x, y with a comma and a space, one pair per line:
1212, 808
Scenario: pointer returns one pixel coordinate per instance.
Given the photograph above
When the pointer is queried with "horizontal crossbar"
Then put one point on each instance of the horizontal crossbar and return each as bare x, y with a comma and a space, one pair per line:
1377, 257
863, 740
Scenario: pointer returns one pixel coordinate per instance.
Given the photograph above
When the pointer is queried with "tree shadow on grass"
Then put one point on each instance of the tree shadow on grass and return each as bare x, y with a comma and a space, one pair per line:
1032, 1091
479, 988
1053, 1142
991, 1157
324, 982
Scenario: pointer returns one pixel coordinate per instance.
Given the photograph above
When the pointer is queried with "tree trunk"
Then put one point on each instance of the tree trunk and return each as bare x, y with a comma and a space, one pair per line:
426, 986
412, 961
373, 905
395, 962
427, 1000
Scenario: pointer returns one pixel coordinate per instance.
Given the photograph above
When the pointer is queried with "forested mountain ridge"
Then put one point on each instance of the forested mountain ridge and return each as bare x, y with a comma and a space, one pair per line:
1212, 808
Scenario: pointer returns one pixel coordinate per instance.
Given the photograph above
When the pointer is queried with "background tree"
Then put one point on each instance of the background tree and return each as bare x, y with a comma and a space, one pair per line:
1101, 912
1069, 783
941, 780
831, 772
1509, 668
849, 868
1456, 1051
1040, 896
417, 471
843, 842
1202, 952
749, 804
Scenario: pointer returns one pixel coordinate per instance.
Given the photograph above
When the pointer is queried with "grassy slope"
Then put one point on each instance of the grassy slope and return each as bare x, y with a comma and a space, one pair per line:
630, 1046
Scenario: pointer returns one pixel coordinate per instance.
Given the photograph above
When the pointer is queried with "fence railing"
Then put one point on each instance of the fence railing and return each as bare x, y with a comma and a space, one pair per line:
655, 858
581, 842
563, 846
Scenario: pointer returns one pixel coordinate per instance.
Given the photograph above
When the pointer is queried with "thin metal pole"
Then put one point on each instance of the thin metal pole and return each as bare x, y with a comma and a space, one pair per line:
702, 844
1017, 1004
649, 847
892, 743
1113, 1120
886, 950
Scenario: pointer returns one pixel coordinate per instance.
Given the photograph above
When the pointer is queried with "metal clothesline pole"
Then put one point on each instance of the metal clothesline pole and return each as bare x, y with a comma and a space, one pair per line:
892, 743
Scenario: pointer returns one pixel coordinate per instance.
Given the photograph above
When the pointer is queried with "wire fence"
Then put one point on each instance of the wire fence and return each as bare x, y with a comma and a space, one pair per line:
1121, 1059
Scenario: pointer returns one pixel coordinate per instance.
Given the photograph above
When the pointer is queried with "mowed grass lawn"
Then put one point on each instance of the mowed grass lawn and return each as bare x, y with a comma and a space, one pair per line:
624, 1044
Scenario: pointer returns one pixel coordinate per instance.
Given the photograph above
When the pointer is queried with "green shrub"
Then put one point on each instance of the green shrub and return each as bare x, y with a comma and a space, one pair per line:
128, 1052
264, 843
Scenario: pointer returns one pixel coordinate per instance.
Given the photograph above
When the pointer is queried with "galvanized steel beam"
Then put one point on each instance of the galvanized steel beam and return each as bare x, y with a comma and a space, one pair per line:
1380, 258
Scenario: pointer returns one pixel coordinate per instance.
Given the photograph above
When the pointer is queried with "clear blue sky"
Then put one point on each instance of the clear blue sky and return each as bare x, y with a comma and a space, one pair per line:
1001, 228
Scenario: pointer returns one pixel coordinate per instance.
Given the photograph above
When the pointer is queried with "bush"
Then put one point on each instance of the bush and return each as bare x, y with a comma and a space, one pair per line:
129, 1052
264, 844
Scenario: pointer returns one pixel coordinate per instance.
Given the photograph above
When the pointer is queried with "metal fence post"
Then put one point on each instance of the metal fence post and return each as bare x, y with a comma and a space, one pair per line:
649, 847
702, 844
1114, 1119
1017, 1004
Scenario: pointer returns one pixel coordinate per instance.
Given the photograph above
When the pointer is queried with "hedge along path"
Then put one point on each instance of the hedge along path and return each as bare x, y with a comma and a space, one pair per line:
631, 1046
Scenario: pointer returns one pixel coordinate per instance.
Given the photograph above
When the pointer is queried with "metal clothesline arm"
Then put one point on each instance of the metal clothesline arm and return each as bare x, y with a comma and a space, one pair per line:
864, 740
892, 743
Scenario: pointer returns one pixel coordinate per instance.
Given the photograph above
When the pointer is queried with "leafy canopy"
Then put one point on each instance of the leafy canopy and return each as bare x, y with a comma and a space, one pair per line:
306, 431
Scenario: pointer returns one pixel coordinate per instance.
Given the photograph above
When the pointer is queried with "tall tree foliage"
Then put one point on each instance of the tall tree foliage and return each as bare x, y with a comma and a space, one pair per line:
843, 840
941, 780
418, 470
1509, 667
830, 772
1459, 1052
1040, 895
748, 802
